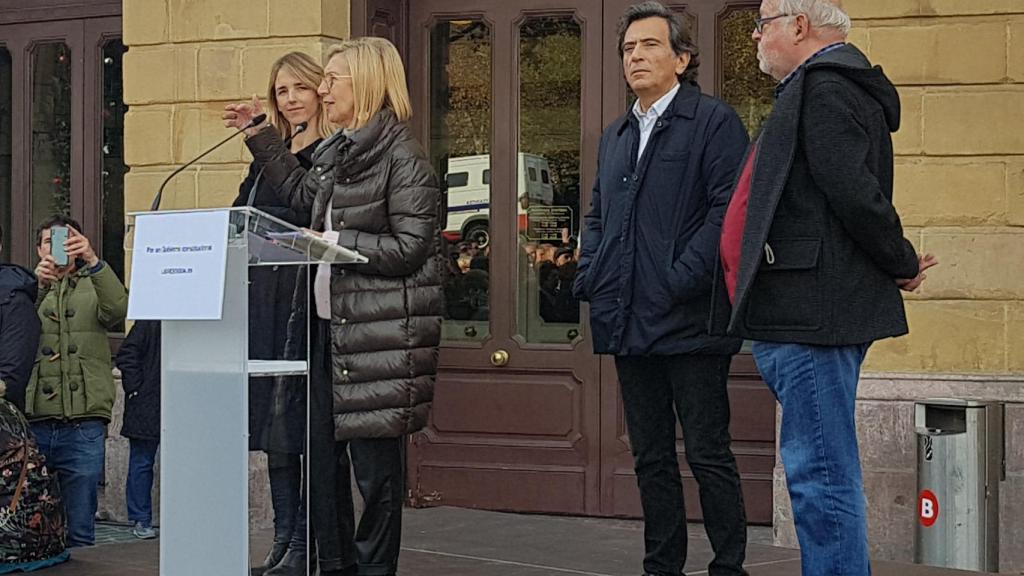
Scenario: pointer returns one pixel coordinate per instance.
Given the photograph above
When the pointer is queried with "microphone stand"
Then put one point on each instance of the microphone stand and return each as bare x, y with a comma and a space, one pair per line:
160, 193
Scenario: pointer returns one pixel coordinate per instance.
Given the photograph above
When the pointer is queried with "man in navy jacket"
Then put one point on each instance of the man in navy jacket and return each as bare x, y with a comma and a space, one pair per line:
649, 249
19, 329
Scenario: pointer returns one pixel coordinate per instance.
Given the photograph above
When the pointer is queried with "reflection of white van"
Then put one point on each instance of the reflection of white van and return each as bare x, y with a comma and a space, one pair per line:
469, 193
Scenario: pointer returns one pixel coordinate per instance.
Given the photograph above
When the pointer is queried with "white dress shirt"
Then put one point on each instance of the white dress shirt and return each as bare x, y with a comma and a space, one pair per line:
650, 118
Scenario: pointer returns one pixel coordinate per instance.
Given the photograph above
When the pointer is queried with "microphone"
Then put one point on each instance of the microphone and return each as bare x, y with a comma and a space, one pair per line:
299, 129
160, 193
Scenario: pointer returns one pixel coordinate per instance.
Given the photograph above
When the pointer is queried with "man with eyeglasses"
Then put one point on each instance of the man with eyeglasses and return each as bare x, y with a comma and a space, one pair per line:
814, 258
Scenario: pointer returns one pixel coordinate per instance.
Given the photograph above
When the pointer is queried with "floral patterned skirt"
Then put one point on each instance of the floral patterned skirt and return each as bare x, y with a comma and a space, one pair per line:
32, 523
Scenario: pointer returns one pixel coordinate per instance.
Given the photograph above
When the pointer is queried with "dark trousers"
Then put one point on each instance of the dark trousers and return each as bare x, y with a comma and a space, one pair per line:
655, 389
372, 548
285, 472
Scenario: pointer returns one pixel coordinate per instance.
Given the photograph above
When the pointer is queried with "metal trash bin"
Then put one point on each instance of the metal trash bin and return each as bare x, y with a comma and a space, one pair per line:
960, 463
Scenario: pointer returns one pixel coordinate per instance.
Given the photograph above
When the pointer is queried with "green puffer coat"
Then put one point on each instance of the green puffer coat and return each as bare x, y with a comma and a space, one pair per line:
73, 376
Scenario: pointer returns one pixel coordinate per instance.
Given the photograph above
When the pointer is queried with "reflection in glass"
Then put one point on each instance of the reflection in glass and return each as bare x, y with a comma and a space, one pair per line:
460, 142
6, 118
744, 87
550, 72
51, 130
113, 167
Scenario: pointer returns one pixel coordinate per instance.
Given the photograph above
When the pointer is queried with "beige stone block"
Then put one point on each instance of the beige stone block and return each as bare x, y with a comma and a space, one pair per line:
144, 22
257, 61
1015, 63
976, 264
197, 128
909, 138
336, 19
186, 65
945, 337
145, 135
1015, 347
916, 54
141, 185
219, 73
224, 19
950, 191
967, 7
295, 18
218, 187
973, 122
1015, 193
146, 77
860, 9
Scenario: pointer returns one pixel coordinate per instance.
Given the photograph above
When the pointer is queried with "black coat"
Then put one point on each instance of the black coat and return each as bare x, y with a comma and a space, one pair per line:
651, 238
139, 362
19, 330
823, 244
385, 314
277, 407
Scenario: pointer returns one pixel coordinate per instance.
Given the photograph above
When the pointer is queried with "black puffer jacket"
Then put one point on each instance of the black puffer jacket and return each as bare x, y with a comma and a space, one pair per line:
386, 314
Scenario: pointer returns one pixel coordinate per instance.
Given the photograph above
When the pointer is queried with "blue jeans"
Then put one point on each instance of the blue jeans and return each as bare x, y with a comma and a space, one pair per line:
75, 452
138, 491
817, 388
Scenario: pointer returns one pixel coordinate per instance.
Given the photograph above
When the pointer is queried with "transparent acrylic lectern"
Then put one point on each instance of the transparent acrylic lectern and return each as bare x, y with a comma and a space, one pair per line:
205, 369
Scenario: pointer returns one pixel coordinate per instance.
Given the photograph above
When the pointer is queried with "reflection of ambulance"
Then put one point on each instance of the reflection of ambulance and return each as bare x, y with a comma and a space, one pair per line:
469, 194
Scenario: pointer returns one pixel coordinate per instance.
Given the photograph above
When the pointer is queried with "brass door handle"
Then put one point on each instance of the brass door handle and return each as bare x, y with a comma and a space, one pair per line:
499, 358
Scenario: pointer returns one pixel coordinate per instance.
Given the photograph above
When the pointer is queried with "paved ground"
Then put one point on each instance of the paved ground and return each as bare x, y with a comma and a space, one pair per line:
460, 542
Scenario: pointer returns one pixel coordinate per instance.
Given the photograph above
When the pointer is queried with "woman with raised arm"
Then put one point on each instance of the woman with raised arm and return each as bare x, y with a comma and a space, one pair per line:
376, 327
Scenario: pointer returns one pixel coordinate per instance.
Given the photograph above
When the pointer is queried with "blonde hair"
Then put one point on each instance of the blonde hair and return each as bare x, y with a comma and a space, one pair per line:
378, 78
310, 73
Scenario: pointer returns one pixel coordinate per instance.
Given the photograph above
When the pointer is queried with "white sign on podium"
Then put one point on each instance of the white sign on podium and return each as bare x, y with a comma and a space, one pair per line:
178, 264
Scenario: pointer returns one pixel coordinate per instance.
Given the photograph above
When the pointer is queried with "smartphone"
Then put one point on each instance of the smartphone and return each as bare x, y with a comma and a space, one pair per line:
59, 235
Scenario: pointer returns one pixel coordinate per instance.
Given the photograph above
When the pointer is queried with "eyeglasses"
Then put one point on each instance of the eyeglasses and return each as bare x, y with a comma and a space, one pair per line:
760, 22
331, 79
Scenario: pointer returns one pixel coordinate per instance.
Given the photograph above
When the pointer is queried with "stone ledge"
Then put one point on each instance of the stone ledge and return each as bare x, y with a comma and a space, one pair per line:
910, 387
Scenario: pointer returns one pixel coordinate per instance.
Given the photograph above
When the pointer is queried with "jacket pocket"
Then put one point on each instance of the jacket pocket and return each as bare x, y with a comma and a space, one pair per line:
786, 294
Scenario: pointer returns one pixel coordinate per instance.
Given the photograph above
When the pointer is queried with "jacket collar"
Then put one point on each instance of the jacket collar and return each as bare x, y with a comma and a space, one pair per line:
683, 105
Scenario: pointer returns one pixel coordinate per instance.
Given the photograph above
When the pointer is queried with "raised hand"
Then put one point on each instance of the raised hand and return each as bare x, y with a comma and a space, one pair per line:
239, 115
46, 271
78, 246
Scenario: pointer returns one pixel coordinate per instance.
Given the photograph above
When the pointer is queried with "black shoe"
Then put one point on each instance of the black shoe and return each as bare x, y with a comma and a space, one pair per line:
293, 564
276, 553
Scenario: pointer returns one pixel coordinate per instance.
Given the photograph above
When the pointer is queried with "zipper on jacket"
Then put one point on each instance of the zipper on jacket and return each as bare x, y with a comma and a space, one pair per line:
769, 254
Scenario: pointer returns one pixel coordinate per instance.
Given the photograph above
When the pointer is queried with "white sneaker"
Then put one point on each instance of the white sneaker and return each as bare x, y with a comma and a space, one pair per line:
143, 532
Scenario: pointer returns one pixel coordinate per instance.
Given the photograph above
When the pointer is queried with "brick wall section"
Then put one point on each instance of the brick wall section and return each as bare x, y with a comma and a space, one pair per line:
186, 60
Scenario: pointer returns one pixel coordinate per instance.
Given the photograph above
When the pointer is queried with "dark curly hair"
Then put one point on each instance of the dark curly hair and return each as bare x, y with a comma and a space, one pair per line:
678, 35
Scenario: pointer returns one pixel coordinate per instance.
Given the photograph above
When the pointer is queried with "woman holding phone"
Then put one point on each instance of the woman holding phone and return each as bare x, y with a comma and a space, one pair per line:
376, 326
277, 407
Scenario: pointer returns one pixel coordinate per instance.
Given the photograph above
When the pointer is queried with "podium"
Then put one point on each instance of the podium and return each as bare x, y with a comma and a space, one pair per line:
181, 262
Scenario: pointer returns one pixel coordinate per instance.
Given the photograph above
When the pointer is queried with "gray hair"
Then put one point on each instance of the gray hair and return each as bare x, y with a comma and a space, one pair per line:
821, 13
679, 37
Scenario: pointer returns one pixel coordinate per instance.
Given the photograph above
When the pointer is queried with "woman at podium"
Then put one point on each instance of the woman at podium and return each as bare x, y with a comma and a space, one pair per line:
375, 327
277, 408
